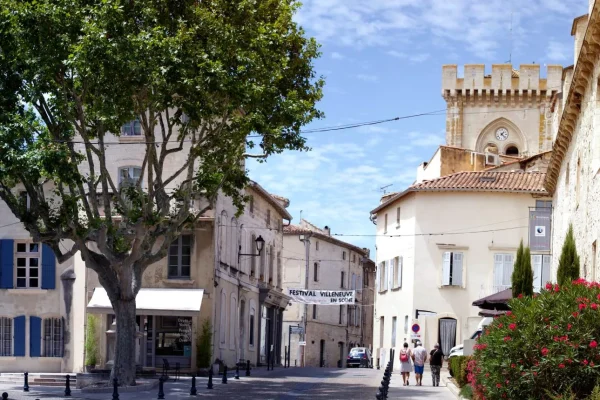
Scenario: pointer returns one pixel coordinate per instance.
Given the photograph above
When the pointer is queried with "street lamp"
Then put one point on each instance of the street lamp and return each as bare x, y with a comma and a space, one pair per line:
260, 244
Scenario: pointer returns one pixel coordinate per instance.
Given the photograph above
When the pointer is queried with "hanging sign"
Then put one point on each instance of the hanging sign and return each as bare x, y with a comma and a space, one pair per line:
313, 296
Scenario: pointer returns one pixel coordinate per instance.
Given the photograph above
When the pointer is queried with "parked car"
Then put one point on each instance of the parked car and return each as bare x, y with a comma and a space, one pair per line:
459, 350
359, 357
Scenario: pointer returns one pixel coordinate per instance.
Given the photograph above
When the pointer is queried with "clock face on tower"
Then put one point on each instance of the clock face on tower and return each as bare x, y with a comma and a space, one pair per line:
502, 134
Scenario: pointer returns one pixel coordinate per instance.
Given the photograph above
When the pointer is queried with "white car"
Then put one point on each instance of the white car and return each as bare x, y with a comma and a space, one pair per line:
456, 351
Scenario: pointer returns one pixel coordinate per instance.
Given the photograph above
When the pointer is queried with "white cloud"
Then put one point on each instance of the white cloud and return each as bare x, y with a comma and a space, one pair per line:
558, 51
337, 56
416, 58
367, 77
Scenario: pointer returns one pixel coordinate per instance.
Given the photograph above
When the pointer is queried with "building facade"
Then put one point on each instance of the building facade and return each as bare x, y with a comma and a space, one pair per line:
572, 174
331, 330
433, 262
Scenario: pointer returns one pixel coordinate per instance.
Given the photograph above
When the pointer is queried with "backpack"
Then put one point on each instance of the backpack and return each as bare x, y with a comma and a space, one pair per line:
404, 356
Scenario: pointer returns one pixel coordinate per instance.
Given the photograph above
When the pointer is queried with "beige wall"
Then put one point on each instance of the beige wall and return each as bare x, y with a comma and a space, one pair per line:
422, 280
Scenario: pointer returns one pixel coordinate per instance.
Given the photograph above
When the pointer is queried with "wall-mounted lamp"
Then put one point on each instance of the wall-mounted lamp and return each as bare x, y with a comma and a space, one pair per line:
260, 244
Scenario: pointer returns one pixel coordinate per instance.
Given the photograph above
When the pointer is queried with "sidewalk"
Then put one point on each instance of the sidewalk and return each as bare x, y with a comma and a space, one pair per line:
427, 391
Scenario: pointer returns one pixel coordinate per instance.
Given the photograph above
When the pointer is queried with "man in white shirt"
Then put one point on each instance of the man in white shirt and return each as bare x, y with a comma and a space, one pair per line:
419, 358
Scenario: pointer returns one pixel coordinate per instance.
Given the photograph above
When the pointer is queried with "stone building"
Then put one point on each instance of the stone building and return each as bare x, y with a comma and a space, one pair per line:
575, 163
333, 264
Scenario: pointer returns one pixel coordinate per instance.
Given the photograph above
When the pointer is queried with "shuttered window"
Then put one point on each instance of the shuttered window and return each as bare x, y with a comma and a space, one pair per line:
541, 271
53, 337
6, 336
503, 269
452, 269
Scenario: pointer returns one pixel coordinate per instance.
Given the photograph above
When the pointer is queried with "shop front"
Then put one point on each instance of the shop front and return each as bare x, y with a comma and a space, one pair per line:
272, 305
165, 326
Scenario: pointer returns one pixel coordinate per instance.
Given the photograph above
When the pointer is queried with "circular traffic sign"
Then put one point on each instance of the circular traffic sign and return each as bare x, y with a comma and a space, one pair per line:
416, 328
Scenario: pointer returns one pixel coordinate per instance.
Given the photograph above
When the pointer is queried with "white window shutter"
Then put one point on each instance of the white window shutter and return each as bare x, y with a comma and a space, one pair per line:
457, 269
547, 262
400, 267
498, 271
390, 271
378, 277
536, 266
446, 268
509, 266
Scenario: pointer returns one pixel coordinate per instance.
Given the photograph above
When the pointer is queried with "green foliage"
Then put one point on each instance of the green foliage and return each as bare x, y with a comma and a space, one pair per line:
547, 346
595, 395
466, 392
204, 345
458, 369
568, 264
91, 341
522, 276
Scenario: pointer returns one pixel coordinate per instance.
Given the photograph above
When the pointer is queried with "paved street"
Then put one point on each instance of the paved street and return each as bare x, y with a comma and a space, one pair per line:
281, 384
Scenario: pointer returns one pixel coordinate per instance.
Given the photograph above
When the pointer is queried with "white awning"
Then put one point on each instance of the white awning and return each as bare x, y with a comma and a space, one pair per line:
176, 302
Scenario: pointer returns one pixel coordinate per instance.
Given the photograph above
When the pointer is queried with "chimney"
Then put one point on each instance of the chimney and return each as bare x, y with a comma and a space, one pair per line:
367, 252
327, 230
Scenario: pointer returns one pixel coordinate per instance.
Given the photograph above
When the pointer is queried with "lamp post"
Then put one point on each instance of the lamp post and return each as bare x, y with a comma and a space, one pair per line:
260, 244
306, 240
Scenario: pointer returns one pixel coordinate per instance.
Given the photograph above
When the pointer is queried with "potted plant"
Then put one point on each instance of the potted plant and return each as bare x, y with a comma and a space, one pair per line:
91, 344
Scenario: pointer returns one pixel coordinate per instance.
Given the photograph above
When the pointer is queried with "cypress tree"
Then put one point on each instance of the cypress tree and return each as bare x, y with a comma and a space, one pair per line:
522, 276
568, 265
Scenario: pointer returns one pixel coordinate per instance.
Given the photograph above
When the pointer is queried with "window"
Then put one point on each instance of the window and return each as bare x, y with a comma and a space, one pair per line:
262, 264
366, 279
397, 275
541, 271
314, 311
252, 259
385, 223
381, 331
223, 320
279, 269
132, 128
24, 199
180, 254
271, 262
268, 218
354, 258
397, 217
251, 324
512, 151
452, 269
317, 245
343, 274
394, 320
251, 205
129, 176
567, 173
578, 182
343, 255
543, 204
232, 317
6, 336
382, 277
53, 337
406, 324
503, 269
316, 272
28, 265
341, 314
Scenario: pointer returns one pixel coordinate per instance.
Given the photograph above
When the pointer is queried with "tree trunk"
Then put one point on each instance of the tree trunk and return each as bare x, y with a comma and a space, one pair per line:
125, 362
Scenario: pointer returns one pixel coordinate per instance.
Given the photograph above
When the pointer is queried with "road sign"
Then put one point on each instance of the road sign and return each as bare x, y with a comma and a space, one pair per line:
296, 330
301, 343
416, 328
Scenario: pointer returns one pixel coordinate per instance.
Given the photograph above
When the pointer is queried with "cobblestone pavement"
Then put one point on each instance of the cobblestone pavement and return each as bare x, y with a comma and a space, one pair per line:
281, 384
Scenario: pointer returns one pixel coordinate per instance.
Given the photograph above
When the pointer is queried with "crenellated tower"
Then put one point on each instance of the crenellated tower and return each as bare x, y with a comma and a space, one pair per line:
506, 112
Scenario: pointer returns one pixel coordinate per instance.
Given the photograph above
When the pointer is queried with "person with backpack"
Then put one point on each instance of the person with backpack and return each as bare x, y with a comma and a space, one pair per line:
406, 363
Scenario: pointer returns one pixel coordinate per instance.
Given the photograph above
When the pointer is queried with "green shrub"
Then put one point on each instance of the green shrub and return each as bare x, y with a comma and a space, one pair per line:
91, 341
568, 264
522, 276
466, 392
204, 345
545, 347
458, 369
595, 395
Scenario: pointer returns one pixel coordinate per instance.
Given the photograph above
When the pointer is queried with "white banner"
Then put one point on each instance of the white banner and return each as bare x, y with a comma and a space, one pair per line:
313, 296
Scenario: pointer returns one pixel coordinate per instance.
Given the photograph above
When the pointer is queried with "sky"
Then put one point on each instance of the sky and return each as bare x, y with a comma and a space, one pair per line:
383, 59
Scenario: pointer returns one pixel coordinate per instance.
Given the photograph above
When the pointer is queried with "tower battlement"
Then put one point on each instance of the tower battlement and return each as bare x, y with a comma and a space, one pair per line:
504, 81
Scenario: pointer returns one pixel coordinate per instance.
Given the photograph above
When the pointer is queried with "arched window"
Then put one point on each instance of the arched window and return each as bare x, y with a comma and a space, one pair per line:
223, 237
512, 151
251, 250
233, 243
223, 319
271, 278
262, 264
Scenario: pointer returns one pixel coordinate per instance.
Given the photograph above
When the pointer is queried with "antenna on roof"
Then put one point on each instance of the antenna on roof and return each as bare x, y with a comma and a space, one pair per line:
510, 35
383, 188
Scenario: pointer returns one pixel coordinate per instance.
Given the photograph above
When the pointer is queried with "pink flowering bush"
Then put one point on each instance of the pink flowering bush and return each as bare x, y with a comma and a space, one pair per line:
545, 347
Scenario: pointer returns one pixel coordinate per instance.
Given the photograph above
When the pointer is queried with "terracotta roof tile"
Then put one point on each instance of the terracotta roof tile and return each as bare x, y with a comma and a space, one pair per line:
479, 181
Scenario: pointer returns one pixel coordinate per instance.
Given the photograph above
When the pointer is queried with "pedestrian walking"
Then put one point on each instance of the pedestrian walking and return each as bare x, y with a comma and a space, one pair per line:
405, 363
419, 357
436, 361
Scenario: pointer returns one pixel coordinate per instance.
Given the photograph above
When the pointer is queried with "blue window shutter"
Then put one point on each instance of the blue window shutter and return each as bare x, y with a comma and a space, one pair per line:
48, 268
35, 336
6, 263
19, 336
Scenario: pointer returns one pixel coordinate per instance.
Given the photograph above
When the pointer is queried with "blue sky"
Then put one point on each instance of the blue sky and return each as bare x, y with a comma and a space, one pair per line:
381, 59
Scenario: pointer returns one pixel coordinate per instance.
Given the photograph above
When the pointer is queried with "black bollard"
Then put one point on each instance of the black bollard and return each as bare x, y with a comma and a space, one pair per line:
247, 367
268, 360
4, 396
26, 383
161, 389
210, 375
224, 374
381, 390
115, 389
378, 363
193, 391
378, 396
68, 386
237, 371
